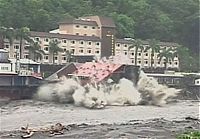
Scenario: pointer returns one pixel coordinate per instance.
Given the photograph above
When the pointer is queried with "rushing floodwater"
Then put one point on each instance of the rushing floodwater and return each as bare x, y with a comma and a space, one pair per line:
36, 113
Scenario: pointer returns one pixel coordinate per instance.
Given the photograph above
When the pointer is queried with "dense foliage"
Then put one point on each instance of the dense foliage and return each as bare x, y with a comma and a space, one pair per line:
164, 20
190, 135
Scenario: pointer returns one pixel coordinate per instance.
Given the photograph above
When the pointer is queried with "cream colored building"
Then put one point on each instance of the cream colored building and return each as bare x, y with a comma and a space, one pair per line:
144, 58
77, 45
88, 36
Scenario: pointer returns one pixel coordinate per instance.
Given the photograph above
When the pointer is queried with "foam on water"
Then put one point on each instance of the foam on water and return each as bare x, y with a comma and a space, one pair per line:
154, 93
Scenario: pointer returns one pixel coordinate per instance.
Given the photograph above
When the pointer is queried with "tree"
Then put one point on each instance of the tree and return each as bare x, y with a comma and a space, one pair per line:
10, 34
155, 48
166, 54
2, 36
137, 44
187, 62
23, 34
69, 55
164, 20
54, 48
125, 25
35, 50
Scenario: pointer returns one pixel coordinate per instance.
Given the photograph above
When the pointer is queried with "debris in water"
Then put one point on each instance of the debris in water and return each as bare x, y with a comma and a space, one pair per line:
56, 129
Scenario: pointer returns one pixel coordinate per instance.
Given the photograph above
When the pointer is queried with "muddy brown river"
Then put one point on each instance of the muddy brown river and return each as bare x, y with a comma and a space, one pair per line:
127, 122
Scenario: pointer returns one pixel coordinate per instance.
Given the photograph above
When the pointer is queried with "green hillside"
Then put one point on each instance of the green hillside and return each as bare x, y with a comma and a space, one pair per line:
165, 20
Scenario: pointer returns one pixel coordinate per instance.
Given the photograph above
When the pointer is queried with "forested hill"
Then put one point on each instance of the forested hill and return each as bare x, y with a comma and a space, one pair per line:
165, 20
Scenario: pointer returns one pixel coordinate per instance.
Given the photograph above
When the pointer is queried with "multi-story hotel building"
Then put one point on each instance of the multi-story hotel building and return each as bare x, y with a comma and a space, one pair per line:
88, 36
144, 57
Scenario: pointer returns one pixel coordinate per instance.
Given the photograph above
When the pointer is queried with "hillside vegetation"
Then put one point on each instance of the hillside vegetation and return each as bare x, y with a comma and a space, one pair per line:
165, 20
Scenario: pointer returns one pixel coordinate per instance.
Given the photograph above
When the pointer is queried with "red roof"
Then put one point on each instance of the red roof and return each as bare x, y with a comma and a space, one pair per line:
96, 71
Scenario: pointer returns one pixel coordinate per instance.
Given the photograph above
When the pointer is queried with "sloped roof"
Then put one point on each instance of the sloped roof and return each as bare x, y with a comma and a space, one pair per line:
78, 21
64, 36
146, 42
25, 61
96, 71
104, 21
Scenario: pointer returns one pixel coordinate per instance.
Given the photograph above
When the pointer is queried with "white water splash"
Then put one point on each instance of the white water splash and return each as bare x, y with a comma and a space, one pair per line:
147, 91
153, 93
98, 96
90, 96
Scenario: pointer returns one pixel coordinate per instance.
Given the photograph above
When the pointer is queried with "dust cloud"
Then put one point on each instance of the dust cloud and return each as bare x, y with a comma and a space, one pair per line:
147, 92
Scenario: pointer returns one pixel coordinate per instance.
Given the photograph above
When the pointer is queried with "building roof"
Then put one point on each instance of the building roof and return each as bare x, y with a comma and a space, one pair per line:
146, 42
79, 21
3, 50
25, 61
123, 41
105, 21
96, 71
64, 36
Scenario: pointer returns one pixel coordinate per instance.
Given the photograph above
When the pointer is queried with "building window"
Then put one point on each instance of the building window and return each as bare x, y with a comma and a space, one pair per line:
125, 53
81, 42
89, 43
4, 68
146, 54
93, 28
64, 49
158, 62
55, 39
146, 62
56, 58
64, 41
97, 52
139, 54
46, 48
73, 42
132, 61
63, 58
170, 63
46, 40
72, 51
176, 63
132, 54
85, 34
26, 56
125, 45
37, 39
97, 43
81, 51
89, 51
7, 46
118, 45
85, 26
16, 46
46, 57
77, 33
139, 62
77, 26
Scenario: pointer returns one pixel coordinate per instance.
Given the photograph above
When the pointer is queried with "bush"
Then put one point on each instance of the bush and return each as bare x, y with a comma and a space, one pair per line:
190, 135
